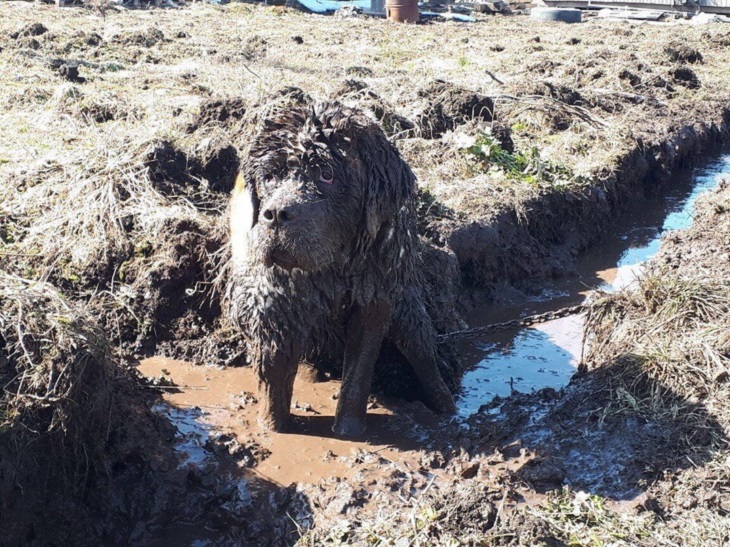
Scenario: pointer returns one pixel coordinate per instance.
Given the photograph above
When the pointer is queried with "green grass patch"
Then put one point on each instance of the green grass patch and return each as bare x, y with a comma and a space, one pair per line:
520, 166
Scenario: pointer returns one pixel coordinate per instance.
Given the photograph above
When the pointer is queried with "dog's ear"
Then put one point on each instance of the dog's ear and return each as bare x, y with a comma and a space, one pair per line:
246, 201
390, 182
244, 213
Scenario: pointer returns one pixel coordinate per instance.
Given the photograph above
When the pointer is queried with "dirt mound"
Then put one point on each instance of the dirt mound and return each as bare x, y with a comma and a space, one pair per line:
33, 29
218, 111
84, 461
174, 172
559, 92
68, 414
682, 53
685, 77
358, 93
448, 106
254, 48
460, 513
145, 38
147, 250
218, 163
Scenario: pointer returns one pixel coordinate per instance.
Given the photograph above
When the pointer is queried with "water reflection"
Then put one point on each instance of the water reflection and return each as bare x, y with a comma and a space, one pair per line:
546, 355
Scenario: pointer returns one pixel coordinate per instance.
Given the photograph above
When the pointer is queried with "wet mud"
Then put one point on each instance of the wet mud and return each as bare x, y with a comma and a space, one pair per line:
528, 423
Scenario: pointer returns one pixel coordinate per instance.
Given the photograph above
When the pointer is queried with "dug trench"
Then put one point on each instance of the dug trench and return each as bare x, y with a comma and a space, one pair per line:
508, 452
207, 477
219, 478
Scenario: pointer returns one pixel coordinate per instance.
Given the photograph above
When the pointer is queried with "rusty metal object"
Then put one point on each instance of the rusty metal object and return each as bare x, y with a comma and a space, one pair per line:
402, 11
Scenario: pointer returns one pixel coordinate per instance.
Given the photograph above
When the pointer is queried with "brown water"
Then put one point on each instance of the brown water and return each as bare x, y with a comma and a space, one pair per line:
213, 398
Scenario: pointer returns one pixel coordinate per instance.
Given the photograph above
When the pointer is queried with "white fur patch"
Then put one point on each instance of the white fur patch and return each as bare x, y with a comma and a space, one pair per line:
242, 220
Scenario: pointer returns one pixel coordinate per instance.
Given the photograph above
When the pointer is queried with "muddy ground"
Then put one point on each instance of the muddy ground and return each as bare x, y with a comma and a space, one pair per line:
120, 135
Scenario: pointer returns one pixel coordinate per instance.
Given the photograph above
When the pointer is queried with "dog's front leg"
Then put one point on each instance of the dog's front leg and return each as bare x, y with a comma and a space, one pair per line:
415, 337
364, 336
276, 368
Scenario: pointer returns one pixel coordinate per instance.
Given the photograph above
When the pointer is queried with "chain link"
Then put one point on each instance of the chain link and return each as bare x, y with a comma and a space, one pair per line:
514, 324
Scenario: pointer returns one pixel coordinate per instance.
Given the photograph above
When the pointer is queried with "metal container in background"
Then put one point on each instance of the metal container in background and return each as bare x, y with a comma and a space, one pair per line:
402, 11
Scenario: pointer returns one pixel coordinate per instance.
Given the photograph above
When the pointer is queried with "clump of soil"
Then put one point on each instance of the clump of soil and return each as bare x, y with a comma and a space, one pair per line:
218, 164
254, 48
448, 106
168, 167
683, 53
71, 74
685, 77
218, 111
562, 93
358, 93
81, 41
144, 38
33, 29
174, 172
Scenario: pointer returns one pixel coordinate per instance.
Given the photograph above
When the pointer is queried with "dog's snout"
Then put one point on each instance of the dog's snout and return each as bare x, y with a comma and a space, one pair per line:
280, 216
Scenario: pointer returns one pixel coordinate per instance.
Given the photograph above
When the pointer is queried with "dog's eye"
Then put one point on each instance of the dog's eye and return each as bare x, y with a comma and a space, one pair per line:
326, 176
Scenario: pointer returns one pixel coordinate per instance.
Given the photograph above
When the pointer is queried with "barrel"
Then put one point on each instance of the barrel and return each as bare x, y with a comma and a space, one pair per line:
402, 11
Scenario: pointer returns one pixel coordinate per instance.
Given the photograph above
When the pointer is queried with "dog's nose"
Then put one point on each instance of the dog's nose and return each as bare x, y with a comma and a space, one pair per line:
280, 216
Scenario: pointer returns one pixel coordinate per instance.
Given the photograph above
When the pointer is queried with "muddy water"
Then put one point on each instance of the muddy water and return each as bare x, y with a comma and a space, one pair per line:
223, 400
546, 355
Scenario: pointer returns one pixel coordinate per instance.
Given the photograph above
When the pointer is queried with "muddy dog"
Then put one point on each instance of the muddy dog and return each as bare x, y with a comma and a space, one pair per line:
324, 247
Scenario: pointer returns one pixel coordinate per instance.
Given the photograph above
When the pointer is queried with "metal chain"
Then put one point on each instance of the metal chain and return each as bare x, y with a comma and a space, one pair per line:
478, 332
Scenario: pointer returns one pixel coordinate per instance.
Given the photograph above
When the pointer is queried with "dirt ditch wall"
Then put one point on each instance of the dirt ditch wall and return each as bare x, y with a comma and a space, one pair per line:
544, 241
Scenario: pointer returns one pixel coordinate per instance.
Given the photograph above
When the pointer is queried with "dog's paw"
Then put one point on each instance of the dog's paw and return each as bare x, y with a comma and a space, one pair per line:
277, 424
442, 402
349, 427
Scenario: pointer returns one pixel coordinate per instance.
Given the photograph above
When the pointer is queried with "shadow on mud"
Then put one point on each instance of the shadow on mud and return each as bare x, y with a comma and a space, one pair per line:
205, 492
607, 433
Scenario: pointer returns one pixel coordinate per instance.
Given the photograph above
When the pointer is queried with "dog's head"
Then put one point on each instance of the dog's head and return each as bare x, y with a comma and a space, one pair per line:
318, 186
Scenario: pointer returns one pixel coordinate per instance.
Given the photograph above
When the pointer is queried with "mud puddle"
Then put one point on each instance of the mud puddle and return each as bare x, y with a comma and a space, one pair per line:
223, 401
546, 355
215, 413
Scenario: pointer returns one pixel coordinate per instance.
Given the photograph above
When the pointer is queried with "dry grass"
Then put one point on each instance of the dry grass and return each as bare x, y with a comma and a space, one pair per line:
58, 382
666, 344
662, 350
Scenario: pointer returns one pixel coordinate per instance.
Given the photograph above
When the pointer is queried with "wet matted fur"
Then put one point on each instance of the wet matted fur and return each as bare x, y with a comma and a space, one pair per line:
324, 247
